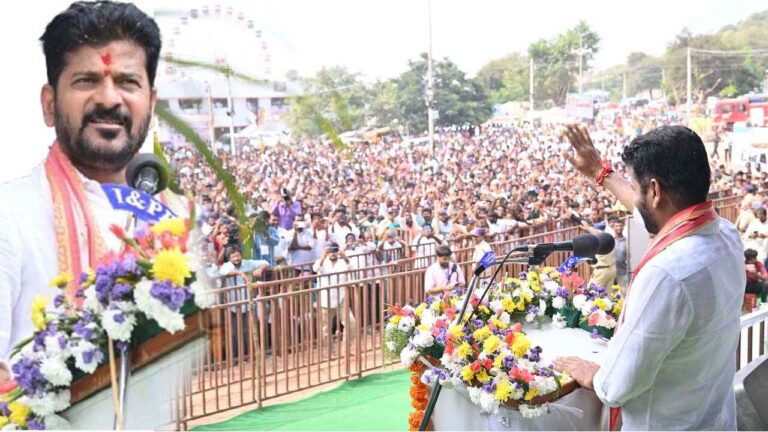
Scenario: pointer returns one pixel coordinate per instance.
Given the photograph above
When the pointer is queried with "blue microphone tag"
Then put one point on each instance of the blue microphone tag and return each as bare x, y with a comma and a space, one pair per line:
138, 202
568, 264
488, 259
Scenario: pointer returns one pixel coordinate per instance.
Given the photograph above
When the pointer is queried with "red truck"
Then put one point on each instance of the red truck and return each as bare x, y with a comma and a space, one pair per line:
753, 109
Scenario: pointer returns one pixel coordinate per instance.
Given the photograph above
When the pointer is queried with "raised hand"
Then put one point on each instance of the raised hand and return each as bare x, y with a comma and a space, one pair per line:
586, 159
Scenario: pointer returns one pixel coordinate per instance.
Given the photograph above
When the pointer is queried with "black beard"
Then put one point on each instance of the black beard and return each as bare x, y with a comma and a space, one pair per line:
650, 225
84, 154
445, 266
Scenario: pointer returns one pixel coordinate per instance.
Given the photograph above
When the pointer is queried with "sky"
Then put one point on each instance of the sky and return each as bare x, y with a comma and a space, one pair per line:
375, 38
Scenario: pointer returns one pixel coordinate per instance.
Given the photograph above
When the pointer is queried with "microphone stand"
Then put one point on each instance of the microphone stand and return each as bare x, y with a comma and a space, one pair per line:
125, 362
536, 259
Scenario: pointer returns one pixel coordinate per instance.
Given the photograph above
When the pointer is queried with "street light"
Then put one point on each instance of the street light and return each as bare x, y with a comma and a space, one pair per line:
581, 52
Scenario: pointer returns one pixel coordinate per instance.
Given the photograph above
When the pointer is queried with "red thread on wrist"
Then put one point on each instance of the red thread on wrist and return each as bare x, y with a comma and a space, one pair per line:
606, 169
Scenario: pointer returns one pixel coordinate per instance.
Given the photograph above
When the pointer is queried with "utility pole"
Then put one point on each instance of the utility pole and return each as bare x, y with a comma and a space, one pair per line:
688, 86
211, 124
231, 114
581, 52
663, 81
624, 85
530, 86
430, 90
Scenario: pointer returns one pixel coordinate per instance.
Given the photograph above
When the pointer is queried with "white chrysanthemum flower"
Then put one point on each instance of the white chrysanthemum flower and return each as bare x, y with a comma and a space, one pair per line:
391, 345
558, 321
526, 365
87, 351
406, 324
488, 403
579, 300
204, 298
118, 324
428, 318
551, 286
54, 422
47, 403
530, 317
53, 346
528, 411
518, 394
423, 339
390, 326
496, 305
91, 302
56, 372
474, 394
408, 356
542, 307
505, 318
558, 302
155, 309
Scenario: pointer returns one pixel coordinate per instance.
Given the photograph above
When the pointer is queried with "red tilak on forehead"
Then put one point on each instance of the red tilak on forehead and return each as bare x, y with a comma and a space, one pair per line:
106, 59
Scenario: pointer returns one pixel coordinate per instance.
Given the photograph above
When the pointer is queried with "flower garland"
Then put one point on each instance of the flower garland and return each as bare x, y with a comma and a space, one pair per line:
419, 397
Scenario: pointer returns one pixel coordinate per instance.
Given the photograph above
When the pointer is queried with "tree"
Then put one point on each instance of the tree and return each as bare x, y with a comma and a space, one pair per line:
507, 78
383, 106
459, 100
557, 65
333, 101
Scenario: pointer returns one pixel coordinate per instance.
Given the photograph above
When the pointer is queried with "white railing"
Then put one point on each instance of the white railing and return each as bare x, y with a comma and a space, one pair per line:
752, 339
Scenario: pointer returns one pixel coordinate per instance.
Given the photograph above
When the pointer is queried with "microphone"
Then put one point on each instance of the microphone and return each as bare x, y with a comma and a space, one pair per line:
146, 173
607, 243
583, 245
453, 271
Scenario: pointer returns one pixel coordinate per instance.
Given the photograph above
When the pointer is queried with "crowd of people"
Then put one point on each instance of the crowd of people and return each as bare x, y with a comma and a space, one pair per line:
386, 200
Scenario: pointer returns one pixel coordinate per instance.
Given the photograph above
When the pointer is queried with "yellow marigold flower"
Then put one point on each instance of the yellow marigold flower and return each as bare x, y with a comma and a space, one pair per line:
3, 421
617, 309
395, 319
504, 390
484, 309
171, 265
19, 413
174, 226
498, 362
520, 345
420, 309
533, 276
423, 327
39, 303
491, 344
483, 376
456, 331
464, 350
527, 296
467, 374
520, 305
62, 280
481, 333
535, 286
508, 304
600, 303
531, 393
498, 323
548, 269
91, 278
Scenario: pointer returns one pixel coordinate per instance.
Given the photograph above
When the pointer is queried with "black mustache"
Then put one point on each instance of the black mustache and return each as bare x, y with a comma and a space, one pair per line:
112, 114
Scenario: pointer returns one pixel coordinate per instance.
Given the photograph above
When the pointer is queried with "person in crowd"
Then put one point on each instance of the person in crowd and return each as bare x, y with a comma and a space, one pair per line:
444, 275
620, 253
757, 276
265, 244
423, 246
333, 269
301, 246
757, 234
482, 246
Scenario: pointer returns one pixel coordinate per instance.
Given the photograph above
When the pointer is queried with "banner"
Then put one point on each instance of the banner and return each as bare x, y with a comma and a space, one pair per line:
579, 106
138, 202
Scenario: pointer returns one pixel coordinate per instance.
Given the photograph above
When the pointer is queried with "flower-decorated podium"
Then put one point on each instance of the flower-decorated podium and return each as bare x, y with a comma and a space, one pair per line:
110, 349
493, 376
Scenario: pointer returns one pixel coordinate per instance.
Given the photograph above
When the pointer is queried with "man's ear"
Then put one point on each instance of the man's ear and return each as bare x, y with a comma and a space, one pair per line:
48, 103
654, 188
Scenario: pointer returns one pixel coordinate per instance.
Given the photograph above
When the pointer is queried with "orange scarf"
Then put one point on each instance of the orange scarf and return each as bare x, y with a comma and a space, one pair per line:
681, 225
68, 196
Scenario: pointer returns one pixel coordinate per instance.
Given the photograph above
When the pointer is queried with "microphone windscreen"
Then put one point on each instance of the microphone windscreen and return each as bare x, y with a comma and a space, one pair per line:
585, 245
607, 243
142, 161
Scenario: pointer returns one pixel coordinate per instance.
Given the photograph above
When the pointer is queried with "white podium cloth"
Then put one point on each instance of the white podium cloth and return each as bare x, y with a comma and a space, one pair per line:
579, 410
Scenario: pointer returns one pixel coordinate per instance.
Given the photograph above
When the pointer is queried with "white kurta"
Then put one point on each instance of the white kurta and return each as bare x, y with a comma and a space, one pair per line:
28, 248
671, 364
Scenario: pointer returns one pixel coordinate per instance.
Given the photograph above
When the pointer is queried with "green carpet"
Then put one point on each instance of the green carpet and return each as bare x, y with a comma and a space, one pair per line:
375, 402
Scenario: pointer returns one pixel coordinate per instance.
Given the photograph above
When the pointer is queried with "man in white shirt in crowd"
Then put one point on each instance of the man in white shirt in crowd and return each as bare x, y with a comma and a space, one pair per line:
358, 253
101, 63
332, 269
444, 224
756, 235
236, 273
424, 246
482, 246
321, 236
301, 245
444, 275
670, 364
342, 227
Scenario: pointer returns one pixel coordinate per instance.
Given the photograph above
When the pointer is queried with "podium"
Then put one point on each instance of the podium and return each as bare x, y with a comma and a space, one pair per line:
577, 410
159, 367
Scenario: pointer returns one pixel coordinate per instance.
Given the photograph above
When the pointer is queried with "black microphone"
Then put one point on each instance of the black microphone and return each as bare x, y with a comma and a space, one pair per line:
583, 245
607, 243
146, 172
453, 271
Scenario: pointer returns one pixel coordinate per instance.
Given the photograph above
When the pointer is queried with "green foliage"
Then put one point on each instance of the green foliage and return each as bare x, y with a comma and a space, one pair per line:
507, 79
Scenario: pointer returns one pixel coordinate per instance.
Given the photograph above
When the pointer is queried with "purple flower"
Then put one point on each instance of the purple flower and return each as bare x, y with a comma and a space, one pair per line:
508, 362
172, 297
533, 310
36, 424
58, 300
490, 387
28, 376
4, 409
80, 328
561, 292
103, 285
119, 318
121, 291
83, 277
88, 356
595, 334
125, 267
121, 345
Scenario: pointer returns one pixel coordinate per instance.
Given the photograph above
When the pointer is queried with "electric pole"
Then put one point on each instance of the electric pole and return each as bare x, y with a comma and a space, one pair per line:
530, 86
430, 90
581, 52
688, 86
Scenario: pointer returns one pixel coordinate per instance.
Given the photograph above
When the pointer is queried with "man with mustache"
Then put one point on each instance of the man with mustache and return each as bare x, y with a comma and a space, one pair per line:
101, 60
670, 363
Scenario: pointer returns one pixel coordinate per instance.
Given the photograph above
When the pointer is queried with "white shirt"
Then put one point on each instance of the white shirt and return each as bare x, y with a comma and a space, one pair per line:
671, 364
480, 250
332, 297
425, 247
437, 276
339, 233
758, 244
28, 259
301, 256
